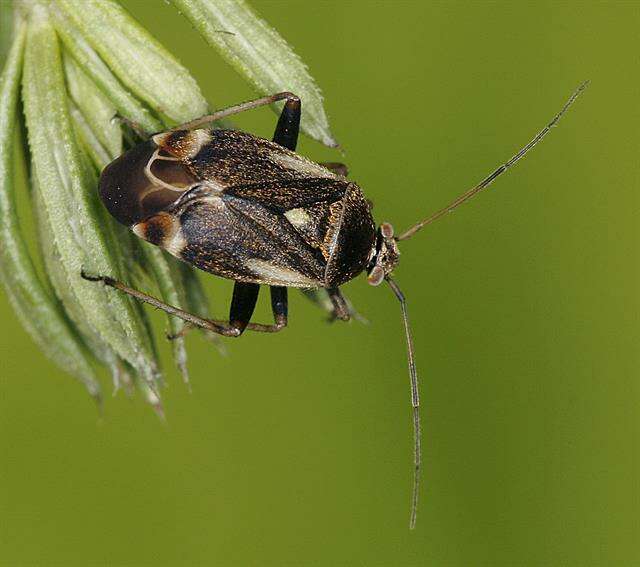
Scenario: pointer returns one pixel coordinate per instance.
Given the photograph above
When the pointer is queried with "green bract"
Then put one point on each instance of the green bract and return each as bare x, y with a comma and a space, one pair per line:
67, 192
84, 68
260, 55
34, 304
143, 66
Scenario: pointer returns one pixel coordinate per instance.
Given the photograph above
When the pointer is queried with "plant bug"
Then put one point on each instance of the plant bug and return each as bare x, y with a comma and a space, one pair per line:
254, 211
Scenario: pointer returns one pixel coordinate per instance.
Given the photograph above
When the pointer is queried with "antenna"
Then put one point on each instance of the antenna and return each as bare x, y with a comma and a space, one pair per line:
415, 402
497, 173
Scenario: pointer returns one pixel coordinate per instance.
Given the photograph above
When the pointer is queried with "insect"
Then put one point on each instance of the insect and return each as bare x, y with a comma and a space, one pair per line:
254, 211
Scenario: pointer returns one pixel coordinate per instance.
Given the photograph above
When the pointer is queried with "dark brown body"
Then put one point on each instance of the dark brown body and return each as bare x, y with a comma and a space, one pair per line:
254, 211
242, 208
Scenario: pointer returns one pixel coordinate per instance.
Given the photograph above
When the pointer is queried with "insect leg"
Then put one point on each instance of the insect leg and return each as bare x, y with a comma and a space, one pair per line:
288, 126
335, 167
279, 304
256, 327
134, 133
236, 109
214, 326
245, 296
340, 306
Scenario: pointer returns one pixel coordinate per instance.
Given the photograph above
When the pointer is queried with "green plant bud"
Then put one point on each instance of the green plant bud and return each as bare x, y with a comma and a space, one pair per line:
35, 306
142, 65
70, 201
261, 56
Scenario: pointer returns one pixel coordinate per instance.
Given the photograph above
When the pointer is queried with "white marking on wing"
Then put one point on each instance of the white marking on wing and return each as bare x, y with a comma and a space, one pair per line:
138, 230
192, 141
277, 275
175, 243
155, 180
216, 187
159, 139
173, 240
196, 139
301, 165
297, 217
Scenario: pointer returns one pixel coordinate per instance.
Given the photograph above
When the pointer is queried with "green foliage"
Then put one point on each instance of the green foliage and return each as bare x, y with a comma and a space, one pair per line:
85, 65
34, 304
260, 55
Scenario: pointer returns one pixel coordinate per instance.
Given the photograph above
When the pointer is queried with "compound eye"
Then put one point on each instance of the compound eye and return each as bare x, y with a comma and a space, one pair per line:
376, 275
141, 183
386, 230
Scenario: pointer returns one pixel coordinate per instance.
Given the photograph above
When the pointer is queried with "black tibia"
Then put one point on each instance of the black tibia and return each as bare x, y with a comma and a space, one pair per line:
243, 303
245, 296
279, 309
336, 167
340, 306
286, 133
219, 327
279, 305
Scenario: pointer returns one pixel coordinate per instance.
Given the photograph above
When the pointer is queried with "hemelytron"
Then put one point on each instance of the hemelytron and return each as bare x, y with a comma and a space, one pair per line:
254, 211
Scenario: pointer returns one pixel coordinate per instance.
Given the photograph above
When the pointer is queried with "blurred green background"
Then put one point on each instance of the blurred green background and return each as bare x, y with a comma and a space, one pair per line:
295, 448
